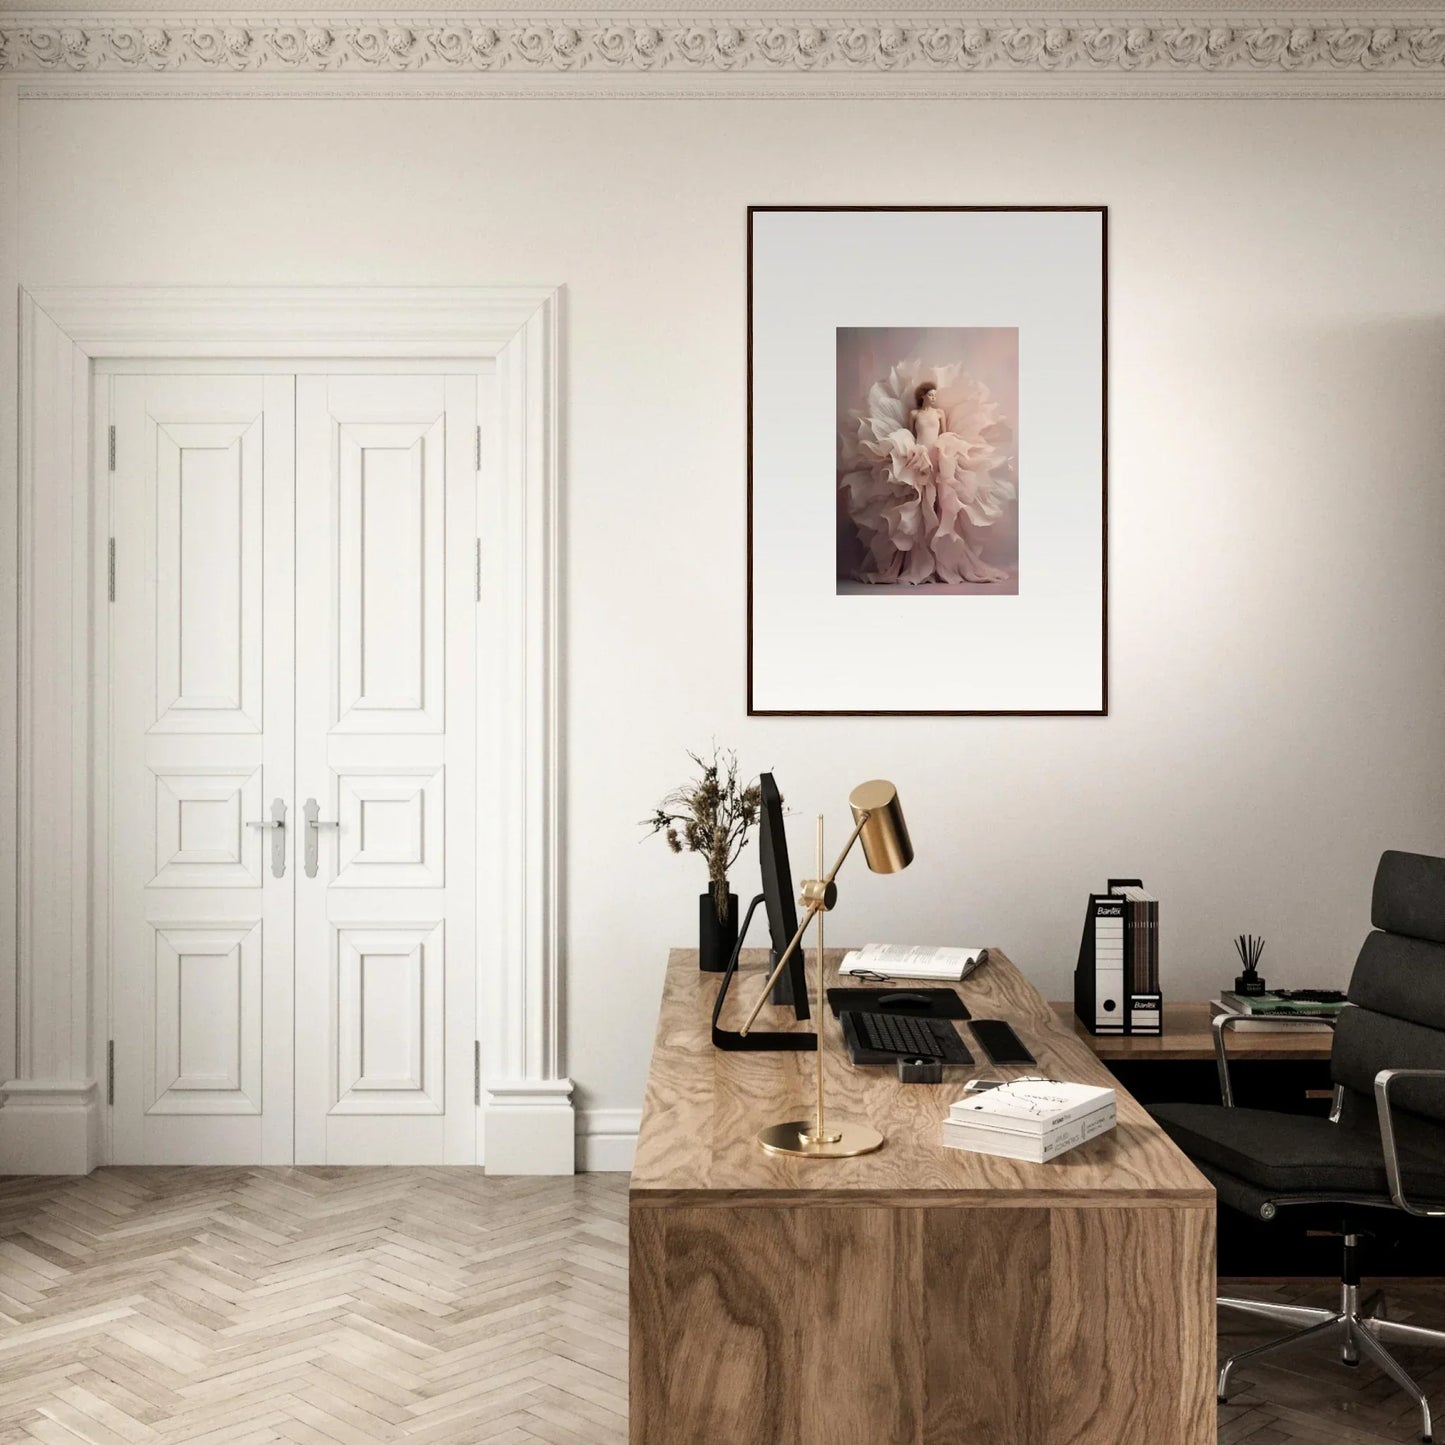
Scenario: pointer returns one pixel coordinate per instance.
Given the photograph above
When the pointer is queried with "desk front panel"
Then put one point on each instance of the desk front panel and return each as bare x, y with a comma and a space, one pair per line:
858, 1325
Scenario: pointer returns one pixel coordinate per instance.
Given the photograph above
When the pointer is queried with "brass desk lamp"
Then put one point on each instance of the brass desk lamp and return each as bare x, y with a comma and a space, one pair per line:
878, 822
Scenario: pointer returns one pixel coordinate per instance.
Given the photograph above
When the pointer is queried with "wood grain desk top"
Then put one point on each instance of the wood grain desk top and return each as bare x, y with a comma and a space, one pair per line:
1187, 1036
704, 1106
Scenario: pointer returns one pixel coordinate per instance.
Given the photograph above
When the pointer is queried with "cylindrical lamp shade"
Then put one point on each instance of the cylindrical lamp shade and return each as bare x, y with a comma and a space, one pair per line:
885, 840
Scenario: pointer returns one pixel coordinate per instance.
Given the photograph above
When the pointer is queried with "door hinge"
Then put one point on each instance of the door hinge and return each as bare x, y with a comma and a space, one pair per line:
477, 1072
110, 1072
110, 569
479, 569
478, 458
110, 444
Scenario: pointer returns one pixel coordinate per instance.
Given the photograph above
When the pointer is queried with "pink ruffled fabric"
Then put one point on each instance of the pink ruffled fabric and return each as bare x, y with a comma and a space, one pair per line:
915, 501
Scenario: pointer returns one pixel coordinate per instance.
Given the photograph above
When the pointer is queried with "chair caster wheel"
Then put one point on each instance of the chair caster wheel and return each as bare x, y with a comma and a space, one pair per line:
1221, 1399
1353, 1364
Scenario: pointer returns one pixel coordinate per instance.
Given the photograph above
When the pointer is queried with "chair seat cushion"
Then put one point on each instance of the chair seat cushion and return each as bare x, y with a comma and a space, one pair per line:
1293, 1153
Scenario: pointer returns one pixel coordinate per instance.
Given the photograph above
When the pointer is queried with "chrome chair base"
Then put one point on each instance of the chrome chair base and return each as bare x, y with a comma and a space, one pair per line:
1362, 1327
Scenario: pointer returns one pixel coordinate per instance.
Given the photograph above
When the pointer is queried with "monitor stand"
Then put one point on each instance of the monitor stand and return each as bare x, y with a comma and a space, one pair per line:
757, 1040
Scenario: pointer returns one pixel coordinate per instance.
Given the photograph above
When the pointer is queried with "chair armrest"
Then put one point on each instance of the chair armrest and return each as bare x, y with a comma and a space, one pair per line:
1383, 1080
1222, 1023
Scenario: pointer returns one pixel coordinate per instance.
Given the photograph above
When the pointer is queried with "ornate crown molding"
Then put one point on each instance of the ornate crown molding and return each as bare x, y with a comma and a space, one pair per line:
928, 47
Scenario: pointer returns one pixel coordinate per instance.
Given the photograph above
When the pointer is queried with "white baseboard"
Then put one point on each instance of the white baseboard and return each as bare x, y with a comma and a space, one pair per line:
55, 1129
607, 1140
48, 1127
530, 1127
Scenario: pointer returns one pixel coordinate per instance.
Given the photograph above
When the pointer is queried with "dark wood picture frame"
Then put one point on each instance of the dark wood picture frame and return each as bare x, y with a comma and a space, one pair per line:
1103, 709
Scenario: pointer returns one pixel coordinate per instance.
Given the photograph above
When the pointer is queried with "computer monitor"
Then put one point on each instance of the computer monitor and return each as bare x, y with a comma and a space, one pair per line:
791, 987
791, 990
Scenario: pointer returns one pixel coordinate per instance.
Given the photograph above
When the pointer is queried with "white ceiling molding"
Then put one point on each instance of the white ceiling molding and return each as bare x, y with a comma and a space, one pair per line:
845, 54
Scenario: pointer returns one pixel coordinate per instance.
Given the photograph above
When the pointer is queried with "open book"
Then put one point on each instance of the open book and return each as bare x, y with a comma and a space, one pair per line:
902, 960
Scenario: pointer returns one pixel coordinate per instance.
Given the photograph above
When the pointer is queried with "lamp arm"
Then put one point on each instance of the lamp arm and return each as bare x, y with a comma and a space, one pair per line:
847, 847
814, 909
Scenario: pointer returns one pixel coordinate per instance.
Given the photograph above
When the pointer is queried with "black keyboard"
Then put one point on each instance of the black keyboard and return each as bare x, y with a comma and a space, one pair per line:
882, 1038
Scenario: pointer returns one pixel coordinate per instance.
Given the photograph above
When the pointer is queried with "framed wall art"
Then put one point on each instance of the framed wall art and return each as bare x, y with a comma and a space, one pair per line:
927, 469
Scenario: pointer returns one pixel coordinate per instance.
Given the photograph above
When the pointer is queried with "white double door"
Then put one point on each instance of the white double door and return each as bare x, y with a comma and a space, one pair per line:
292, 760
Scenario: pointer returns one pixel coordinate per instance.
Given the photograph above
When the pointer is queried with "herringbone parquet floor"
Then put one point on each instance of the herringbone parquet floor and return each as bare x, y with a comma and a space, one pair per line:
325, 1306
349, 1306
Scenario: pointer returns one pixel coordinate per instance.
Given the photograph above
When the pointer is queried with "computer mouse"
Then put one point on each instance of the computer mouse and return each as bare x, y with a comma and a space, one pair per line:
903, 1000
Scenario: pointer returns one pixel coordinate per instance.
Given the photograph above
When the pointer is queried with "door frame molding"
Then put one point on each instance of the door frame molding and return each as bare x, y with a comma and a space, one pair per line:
52, 1117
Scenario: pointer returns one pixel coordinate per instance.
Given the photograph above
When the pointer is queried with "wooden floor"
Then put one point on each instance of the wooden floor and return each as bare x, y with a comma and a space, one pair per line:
340, 1307
316, 1305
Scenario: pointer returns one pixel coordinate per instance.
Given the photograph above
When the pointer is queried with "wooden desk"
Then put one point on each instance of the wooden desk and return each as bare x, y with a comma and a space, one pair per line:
918, 1294
1187, 1037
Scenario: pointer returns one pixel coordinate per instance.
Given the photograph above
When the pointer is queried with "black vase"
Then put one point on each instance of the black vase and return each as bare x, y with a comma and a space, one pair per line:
716, 937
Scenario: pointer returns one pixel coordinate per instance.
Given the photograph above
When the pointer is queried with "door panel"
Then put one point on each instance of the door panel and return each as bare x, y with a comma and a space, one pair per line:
206, 1047
208, 576
385, 746
202, 666
390, 513
390, 994
392, 827
202, 837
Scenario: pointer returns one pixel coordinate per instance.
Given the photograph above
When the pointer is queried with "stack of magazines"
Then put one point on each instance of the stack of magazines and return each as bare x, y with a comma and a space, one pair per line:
1033, 1119
1262, 1009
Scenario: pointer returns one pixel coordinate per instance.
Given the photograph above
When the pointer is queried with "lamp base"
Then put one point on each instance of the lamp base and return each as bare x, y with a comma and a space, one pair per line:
844, 1141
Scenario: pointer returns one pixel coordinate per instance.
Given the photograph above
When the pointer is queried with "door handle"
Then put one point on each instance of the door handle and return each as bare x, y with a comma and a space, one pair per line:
314, 824
276, 822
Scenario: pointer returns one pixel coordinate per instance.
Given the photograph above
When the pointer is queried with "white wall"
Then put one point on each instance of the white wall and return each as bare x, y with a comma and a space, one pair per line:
1277, 488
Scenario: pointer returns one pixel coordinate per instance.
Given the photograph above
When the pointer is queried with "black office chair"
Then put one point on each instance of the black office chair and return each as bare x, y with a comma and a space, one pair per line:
1382, 1150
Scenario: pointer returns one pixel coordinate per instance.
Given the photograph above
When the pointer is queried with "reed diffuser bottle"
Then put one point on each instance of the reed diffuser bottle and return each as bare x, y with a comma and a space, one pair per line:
1249, 948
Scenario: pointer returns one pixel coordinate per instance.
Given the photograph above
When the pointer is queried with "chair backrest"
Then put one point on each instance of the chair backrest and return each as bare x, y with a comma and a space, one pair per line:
1398, 989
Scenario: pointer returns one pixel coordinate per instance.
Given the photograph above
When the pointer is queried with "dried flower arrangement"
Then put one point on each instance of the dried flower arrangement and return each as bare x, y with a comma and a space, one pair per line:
712, 816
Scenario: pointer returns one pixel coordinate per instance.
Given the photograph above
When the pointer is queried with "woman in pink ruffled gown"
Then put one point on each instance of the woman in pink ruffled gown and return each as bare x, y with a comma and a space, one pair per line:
917, 485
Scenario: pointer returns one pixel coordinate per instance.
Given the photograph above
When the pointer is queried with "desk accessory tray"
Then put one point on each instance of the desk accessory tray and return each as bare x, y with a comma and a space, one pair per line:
942, 1003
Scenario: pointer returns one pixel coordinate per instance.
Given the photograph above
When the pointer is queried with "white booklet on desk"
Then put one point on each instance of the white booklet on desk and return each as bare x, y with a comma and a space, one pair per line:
904, 960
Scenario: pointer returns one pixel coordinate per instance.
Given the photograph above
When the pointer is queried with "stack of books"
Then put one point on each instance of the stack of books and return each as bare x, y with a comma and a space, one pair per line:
1262, 1008
1032, 1119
